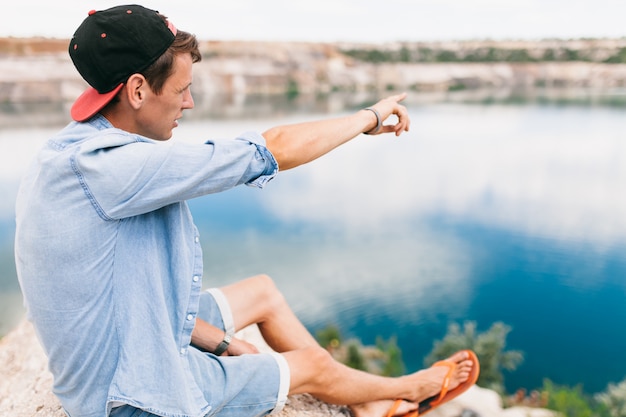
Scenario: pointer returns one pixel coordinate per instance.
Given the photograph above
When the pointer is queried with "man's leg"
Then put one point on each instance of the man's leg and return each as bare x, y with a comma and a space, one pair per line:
256, 300
313, 370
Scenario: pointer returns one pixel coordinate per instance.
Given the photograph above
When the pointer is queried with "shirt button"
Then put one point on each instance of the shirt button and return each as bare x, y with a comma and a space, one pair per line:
197, 239
196, 278
182, 351
189, 316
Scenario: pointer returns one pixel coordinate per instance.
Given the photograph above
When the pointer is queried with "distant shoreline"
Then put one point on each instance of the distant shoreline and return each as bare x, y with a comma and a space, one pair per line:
40, 44
38, 71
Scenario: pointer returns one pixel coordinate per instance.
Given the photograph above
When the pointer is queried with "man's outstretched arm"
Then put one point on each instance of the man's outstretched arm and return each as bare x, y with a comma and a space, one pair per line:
297, 144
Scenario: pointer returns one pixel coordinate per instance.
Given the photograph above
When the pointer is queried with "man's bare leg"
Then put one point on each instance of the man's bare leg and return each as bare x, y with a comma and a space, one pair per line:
314, 371
256, 300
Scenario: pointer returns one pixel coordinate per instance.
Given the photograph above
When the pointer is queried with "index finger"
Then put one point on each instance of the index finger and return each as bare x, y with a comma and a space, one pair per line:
398, 97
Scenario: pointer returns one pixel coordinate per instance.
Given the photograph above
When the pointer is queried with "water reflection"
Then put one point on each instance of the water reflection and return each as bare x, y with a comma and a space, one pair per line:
553, 172
486, 213
239, 106
495, 211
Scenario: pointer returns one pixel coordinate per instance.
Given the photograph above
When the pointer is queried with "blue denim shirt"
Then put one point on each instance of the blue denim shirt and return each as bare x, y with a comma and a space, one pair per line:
110, 264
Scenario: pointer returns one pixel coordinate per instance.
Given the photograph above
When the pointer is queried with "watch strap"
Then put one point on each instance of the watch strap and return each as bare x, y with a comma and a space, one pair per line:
223, 346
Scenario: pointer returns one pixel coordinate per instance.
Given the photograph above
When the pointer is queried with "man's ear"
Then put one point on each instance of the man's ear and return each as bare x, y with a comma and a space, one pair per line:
136, 90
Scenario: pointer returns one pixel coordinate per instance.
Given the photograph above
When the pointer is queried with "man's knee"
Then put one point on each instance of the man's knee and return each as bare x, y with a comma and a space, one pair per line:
317, 366
268, 293
321, 357
269, 286
264, 281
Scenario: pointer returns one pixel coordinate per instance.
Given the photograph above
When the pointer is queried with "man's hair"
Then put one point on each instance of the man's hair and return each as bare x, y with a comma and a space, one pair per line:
157, 73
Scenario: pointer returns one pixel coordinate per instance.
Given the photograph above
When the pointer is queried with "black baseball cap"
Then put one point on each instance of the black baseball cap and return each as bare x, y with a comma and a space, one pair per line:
111, 45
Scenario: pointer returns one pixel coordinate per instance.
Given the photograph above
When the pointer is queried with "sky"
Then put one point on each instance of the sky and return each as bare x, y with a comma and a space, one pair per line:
345, 20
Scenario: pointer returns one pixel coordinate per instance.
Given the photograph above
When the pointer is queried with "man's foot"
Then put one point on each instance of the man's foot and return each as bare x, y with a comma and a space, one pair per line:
428, 382
423, 385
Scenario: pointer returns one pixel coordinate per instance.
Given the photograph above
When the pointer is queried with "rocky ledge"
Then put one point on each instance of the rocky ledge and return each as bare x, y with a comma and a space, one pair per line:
25, 387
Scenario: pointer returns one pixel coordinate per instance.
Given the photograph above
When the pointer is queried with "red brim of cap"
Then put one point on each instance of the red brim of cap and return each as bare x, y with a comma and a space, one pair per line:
91, 102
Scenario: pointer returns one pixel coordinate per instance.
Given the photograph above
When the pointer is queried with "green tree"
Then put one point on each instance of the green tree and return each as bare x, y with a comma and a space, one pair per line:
377, 56
549, 55
293, 89
618, 58
489, 346
446, 56
405, 55
492, 55
519, 55
425, 55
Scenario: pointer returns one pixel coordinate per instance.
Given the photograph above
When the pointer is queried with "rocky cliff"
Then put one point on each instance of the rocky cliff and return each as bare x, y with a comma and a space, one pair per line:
36, 73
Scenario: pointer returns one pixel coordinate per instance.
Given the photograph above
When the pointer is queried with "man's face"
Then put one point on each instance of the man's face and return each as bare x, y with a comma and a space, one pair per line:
160, 113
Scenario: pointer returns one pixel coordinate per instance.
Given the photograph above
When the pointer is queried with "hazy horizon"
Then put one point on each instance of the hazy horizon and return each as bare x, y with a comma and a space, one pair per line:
346, 20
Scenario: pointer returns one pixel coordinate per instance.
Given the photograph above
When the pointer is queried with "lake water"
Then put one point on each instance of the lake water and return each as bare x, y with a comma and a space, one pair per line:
488, 210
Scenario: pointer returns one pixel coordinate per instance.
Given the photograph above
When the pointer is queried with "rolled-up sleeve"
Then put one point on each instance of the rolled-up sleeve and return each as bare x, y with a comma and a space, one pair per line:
264, 156
126, 175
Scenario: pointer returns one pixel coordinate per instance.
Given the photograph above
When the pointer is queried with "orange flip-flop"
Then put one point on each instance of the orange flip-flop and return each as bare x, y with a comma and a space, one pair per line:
444, 395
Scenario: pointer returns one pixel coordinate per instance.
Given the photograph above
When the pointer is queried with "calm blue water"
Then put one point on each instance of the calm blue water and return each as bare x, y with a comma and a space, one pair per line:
484, 212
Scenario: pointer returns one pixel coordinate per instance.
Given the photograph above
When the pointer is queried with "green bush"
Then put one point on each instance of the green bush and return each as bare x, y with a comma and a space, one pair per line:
329, 336
489, 346
614, 399
355, 358
392, 365
572, 402
383, 359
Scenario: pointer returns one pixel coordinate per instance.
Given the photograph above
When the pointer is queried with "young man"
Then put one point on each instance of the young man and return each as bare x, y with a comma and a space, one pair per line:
109, 259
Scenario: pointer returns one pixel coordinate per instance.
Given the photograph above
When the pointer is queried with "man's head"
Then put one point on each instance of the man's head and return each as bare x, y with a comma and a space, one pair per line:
111, 45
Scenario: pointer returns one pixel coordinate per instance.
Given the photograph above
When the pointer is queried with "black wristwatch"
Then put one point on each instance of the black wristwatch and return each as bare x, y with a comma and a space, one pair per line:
223, 346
